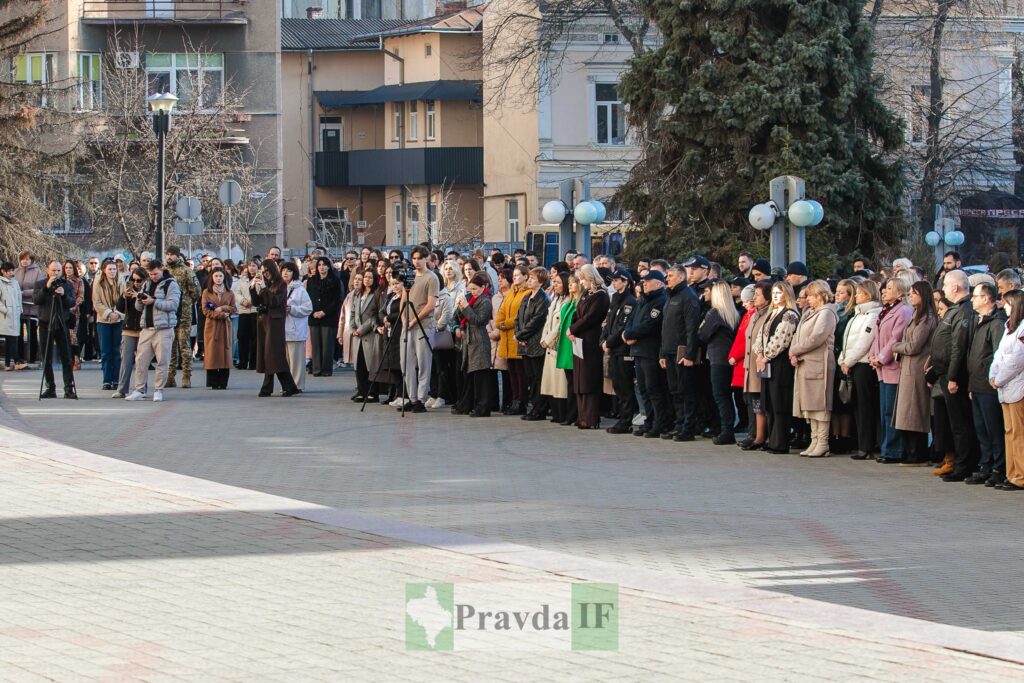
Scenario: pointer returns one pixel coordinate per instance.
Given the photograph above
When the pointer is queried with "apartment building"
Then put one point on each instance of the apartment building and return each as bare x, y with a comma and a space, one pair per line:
193, 49
384, 131
401, 10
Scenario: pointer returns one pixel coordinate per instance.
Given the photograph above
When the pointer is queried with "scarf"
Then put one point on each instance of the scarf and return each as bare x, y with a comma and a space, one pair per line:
472, 299
886, 308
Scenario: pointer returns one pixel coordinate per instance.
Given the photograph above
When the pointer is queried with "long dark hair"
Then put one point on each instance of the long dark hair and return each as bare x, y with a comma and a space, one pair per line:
1016, 299
927, 308
330, 267
274, 273
209, 279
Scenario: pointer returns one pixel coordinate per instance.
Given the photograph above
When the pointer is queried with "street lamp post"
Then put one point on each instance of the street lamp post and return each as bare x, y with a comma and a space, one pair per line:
786, 202
161, 104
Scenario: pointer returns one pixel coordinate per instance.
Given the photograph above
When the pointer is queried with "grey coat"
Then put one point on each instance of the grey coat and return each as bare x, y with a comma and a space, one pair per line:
365, 321
913, 397
476, 345
751, 382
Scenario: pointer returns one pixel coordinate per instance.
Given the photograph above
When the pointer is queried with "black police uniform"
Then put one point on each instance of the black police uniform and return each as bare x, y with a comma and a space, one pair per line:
644, 326
682, 320
620, 360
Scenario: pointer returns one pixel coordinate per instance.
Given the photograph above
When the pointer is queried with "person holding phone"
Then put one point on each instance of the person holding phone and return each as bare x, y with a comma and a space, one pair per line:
158, 303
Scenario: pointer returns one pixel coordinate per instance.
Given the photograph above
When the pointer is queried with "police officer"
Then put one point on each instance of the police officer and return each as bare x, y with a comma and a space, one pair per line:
620, 362
698, 271
181, 353
643, 336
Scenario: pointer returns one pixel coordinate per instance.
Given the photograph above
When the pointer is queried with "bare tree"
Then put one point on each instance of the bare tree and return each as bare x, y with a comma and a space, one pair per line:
202, 149
451, 227
38, 139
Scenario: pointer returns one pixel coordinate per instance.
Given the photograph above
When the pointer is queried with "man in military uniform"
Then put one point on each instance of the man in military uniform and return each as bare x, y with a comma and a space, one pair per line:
181, 352
643, 336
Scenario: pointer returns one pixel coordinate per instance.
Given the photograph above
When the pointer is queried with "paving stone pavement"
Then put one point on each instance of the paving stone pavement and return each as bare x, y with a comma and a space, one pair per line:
882, 538
103, 578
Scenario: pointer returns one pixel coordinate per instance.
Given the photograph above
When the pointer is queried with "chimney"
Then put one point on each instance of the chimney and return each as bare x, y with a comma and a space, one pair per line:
314, 12
449, 6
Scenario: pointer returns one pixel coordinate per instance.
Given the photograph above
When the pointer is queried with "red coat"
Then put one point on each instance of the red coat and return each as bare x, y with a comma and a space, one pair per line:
739, 349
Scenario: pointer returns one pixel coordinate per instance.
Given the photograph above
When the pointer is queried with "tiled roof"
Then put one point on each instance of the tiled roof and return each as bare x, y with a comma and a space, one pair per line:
330, 34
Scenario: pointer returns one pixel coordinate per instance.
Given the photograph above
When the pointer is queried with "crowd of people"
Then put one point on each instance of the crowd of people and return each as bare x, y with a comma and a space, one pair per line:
897, 366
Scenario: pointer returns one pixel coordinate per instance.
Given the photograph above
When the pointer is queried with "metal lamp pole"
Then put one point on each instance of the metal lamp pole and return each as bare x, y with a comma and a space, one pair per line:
161, 104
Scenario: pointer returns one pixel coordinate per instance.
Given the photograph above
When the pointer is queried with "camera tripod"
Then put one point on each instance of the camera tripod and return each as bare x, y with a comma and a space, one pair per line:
56, 302
411, 307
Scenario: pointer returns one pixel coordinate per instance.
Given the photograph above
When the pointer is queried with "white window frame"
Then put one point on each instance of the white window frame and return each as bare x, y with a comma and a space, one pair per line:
47, 70
431, 115
609, 115
414, 119
397, 222
192, 62
396, 120
90, 91
414, 223
512, 222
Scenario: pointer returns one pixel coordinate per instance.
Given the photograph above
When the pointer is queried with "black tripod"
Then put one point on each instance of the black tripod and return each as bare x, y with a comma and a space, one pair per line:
407, 306
56, 303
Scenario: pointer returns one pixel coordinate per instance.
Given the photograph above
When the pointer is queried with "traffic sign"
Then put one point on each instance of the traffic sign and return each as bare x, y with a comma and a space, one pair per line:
189, 208
230, 193
194, 227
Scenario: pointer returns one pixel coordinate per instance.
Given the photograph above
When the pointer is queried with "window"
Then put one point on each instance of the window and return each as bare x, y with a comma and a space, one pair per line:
611, 121
398, 223
920, 101
611, 38
90, 73
191, 77
432, 235
431, 119
414, 223
34, 69
512, 219
428, 49
396, 133
413, 119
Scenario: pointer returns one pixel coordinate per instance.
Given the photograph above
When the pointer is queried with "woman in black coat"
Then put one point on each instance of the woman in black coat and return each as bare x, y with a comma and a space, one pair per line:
391, 366
270, 294
588, 372
529, 327
325, 292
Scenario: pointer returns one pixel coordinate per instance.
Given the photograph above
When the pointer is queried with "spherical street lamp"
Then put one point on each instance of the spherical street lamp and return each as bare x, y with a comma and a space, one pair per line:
932, 238
585, 213
602, 212
554, 212
762, 216
801, 213
954, 238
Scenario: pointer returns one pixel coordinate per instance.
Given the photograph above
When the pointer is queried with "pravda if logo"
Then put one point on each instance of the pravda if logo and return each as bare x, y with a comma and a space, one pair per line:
543, 615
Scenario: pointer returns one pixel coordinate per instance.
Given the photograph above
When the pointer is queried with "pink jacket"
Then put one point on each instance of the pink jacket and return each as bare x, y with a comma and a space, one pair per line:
890, 331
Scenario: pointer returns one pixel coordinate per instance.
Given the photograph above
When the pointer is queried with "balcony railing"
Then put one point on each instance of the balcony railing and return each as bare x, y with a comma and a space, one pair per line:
164, 11
410, 166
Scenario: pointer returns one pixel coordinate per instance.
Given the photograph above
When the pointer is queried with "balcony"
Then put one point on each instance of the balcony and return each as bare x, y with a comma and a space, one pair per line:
164, 12
411, 166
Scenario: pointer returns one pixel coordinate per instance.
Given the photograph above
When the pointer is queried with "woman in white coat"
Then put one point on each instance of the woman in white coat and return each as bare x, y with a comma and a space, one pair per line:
553, 382
10, 314
1006, 375
854, 362
298, 307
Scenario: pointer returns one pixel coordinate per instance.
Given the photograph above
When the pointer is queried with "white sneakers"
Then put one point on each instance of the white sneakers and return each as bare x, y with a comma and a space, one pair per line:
117, 394
158, 395
435, 402
638, 421
135, 396
397, 403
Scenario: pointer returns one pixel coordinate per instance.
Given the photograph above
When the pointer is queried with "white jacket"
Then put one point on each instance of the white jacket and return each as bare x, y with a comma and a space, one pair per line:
240, 288
860, 331
300, 306
10, 307
1007, 370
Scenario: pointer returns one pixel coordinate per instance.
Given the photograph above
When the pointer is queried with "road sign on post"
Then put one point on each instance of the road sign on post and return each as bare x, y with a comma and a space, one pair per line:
229, 193
194, 227
188, 208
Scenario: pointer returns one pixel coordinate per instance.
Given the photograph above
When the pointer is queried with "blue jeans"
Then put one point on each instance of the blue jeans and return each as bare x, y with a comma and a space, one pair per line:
721, 387
892, 443
110, 350
988, 423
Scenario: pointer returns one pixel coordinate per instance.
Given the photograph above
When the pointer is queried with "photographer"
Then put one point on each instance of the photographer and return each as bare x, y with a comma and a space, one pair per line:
131, 329
418, 328
54, 298
158, 302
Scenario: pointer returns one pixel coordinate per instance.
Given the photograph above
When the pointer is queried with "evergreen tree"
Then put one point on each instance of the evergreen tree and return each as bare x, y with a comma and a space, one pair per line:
742, 91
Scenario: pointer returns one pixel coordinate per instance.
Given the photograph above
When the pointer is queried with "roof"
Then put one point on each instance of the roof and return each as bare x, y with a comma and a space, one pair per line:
330, 34
463, 21
425, 90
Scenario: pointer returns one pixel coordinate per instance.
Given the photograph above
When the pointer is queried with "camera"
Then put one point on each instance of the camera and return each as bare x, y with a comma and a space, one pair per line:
404, 273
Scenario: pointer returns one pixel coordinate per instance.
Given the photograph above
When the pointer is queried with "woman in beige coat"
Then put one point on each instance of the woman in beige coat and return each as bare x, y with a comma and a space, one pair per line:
913, 397
811, 353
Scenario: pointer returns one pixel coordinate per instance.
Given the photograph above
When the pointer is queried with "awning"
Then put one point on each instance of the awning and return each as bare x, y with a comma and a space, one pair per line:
426, 90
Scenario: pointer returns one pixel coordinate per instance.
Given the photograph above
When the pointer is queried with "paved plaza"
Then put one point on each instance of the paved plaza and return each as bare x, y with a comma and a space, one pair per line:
219, 536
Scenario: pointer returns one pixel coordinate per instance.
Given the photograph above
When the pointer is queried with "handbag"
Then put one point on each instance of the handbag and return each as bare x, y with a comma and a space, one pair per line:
845, 390
443, 340
766, 373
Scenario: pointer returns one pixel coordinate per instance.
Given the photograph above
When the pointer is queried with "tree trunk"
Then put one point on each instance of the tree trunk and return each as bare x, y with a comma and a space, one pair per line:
932, 161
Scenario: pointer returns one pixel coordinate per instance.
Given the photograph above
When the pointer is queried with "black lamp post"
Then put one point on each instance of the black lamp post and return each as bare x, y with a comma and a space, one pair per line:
161, 104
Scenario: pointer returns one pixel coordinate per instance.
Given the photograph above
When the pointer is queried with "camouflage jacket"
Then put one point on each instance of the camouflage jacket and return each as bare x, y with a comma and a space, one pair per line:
188, 283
